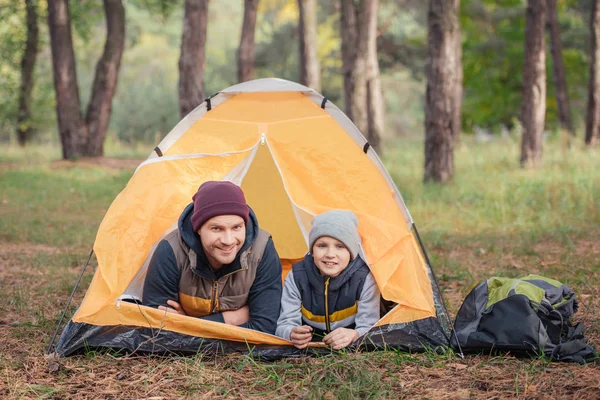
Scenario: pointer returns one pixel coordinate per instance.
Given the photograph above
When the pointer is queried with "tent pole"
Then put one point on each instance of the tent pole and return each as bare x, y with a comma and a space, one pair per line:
460, 352
69, 302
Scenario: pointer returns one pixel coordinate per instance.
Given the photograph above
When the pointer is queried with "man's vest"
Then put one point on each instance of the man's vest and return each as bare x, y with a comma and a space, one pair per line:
200, 296
329, 303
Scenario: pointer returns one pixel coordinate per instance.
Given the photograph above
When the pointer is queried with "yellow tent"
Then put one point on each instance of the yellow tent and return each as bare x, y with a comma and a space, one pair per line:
295, 155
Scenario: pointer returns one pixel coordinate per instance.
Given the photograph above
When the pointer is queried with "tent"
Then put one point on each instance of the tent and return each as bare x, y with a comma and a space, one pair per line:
295, 155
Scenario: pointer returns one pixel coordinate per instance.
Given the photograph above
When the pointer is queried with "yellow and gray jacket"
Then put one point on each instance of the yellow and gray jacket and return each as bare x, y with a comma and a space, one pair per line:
179, 270
350, 300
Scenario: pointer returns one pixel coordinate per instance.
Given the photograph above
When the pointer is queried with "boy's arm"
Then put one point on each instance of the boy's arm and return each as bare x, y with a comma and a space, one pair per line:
291, 304
368, 306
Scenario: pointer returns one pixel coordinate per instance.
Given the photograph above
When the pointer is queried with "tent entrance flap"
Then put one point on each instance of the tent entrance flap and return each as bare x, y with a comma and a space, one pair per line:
266, 194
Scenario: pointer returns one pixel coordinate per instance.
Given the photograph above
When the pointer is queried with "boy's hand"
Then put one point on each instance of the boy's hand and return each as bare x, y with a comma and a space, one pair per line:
301, 336
340, 338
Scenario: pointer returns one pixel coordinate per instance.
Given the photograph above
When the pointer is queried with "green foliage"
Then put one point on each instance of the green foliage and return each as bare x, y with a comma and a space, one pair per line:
493, 62
277, 44
85, 16
12, 40
145, 106
160, 8
493, 51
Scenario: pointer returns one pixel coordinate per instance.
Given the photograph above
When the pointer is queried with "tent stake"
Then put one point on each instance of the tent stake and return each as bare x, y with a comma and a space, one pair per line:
460, 352
69, 302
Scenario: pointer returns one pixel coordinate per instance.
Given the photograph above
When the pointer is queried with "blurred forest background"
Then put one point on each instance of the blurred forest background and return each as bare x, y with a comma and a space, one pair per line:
146, 104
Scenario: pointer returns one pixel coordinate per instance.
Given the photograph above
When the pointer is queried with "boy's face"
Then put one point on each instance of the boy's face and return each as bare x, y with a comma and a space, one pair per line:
331, 256
222, 237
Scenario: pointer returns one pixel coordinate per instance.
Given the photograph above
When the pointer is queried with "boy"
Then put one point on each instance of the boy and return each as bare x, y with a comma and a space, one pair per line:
331, 293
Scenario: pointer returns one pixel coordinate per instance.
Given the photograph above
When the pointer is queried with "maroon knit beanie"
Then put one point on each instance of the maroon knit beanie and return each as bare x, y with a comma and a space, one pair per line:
218, 198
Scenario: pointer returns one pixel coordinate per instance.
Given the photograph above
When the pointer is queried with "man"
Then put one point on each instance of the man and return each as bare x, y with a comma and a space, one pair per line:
218, 265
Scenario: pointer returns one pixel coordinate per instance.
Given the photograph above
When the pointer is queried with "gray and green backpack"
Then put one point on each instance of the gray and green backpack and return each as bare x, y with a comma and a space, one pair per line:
526, 316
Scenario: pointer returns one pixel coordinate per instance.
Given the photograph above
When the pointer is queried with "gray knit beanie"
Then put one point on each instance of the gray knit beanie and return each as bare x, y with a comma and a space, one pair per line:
339, 224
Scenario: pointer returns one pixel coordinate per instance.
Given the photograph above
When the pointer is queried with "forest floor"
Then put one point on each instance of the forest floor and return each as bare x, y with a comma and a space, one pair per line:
30, 304
49, 213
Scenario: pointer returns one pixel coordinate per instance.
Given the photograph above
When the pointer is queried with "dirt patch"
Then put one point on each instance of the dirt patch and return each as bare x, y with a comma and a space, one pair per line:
104, 162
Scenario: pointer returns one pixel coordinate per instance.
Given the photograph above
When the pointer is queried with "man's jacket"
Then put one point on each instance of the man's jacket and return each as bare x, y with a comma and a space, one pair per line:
179, 270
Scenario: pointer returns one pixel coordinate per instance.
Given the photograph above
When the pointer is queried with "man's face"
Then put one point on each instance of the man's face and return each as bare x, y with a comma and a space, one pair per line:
222, 238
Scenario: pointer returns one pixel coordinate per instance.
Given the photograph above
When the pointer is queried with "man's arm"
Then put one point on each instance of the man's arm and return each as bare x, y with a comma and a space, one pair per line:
265, 294
162, 278
162, 282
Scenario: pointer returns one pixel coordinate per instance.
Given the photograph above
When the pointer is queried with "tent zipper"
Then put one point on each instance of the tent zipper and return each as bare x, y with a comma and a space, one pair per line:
327, 324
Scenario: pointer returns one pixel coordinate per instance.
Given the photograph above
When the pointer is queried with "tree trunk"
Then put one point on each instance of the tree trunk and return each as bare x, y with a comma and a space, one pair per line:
105, 79
592, 126
73, 132
246, 49
354, 63
533, 108
558, 67
375, 101
191, 59
310, 73
440, 97
457, 117
24, 128
348, 27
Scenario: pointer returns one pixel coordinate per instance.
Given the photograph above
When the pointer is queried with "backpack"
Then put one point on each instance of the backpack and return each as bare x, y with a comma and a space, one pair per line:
526, 316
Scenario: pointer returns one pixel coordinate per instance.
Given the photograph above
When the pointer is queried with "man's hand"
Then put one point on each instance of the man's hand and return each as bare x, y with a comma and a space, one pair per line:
301, 336
175, 307
340, 338
237, 317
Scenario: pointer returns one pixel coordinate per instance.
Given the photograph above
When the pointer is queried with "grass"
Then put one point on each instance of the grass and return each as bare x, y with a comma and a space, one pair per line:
494, 219
492, 195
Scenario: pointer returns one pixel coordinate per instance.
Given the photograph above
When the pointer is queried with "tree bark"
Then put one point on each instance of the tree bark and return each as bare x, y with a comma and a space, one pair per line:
310, 73
246, 49
354, 63
73, 131
440, 97
105, 79
192, 57
457, 117
24, 128
592, 126
375, 101
79, 137
558, 68
348, 27
533, 108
